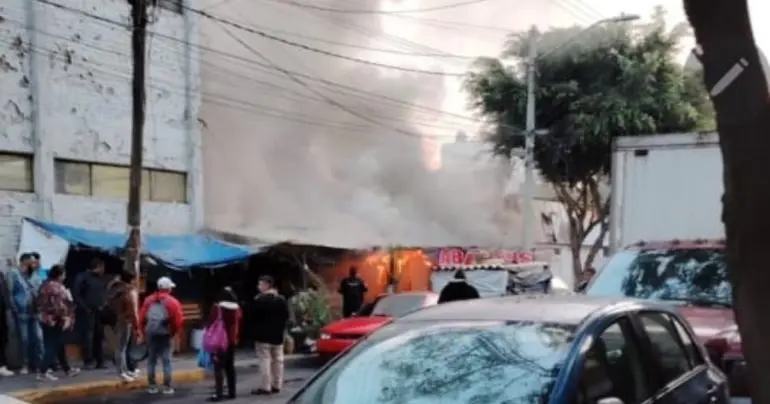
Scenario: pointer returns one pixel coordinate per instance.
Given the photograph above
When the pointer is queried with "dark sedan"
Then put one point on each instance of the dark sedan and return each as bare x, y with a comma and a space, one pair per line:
528, 350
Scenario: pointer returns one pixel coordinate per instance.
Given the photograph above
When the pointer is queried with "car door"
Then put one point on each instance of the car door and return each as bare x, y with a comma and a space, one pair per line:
681, 375
612, 368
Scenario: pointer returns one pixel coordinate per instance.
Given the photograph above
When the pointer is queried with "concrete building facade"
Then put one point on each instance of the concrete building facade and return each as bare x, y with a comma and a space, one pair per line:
65, 117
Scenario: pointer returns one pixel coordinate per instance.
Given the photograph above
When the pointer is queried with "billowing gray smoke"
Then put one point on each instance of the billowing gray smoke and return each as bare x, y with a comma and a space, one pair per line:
282, 163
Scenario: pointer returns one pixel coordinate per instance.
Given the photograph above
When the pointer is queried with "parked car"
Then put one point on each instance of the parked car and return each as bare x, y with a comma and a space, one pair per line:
551, 349
693, 276
341, 334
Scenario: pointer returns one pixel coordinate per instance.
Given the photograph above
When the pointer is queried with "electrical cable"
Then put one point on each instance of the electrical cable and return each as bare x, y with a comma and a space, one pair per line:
263, 65
359, 11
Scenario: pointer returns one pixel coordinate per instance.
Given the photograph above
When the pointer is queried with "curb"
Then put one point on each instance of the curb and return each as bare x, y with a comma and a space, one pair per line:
112, 386
99, 387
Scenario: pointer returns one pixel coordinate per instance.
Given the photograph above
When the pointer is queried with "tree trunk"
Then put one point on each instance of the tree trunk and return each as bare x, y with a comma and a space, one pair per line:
723, 30
598, 244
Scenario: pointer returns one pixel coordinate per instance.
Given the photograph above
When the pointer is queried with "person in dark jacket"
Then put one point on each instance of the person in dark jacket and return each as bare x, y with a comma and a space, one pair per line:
352, 290
224, 362
271, 316
458, 288
5, 327
90, 294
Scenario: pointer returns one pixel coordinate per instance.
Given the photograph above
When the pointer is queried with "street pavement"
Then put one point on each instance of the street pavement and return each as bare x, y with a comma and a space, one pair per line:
198, 393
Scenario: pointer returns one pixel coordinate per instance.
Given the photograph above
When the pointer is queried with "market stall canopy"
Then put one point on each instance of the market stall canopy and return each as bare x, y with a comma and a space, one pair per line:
184, 251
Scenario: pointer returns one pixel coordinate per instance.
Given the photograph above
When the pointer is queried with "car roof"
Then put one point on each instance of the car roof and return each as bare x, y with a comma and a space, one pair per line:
410, 293
560, 309
677, 244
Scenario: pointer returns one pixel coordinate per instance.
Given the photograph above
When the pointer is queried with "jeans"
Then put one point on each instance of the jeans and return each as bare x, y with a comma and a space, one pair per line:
270, 363
159, 347
53, 339
224, 366
93, 337
123, 334
31, 337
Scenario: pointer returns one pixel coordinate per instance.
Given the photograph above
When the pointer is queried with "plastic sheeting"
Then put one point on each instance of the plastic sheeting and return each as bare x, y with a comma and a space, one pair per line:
177, 252
489, 283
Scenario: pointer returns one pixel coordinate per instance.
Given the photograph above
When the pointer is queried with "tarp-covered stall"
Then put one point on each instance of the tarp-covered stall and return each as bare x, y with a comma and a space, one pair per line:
178, 252
494, 279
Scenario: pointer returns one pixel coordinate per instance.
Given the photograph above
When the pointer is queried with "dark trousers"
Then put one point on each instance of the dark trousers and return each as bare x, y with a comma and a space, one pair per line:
53, 343
349, 309
92, 339
3, 344
224, 366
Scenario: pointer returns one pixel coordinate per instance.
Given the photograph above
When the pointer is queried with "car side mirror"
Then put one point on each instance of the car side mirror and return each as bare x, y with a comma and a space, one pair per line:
610, 400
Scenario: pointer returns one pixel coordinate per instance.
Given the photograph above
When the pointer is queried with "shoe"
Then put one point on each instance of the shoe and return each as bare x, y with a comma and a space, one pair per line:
261, 392
23, 371
47, 376
275, 390
72, 372
135, 373
152, 390
100, 366
126, 377
4, 372
168, 391
215, 398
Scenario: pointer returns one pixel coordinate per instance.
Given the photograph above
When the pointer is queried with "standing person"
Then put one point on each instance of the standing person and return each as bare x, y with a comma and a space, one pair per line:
352, 290
123, 302
228, 310
271, 315
458, 288
90, 293
5, 327
56, 312
160, 319
24, 284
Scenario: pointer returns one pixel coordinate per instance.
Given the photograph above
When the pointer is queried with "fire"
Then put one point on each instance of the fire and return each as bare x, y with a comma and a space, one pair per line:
410, 267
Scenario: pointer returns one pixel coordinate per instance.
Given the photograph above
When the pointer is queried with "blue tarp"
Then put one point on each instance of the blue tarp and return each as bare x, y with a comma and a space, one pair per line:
178, 252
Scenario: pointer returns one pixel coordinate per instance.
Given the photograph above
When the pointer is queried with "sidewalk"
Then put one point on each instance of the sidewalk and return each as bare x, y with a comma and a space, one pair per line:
98, 382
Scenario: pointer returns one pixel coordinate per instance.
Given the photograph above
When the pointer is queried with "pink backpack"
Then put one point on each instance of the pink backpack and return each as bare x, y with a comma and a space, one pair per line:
215, 337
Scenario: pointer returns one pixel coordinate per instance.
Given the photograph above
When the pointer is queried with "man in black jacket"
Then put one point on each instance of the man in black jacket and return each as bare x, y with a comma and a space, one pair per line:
90, 294
5, 329
352, 290
271, 316
458, 288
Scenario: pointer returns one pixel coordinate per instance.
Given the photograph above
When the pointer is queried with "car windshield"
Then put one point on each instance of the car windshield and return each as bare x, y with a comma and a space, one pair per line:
694, 276
445, 362
398, 305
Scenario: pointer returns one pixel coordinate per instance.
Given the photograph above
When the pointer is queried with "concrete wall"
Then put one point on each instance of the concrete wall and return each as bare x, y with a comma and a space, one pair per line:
65, 92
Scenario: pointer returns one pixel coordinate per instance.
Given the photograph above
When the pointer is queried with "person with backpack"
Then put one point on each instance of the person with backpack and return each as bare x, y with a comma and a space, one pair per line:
160, 319
122, 302
225, 318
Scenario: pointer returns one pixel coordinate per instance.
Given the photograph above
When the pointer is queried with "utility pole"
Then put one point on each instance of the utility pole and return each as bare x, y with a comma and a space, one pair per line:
528, 190
134, 210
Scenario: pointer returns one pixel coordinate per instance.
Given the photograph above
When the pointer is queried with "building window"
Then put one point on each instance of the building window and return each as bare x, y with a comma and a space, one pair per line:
176, 6
16, 172
111, 181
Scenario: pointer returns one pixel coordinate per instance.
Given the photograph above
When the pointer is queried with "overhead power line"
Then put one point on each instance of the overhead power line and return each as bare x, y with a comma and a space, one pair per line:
373, 11
348, 88
284, 41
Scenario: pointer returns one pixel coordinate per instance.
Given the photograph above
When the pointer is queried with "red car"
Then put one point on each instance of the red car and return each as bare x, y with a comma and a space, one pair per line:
693, 275
339, 335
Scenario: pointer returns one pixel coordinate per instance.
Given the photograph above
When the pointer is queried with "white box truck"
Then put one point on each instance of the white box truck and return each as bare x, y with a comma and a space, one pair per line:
666, 187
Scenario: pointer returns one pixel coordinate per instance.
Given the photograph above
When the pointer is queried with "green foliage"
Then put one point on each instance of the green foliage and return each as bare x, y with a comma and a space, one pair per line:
619, 80
311, 311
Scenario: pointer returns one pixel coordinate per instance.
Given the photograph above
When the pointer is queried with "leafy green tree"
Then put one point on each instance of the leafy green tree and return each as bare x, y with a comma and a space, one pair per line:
592, 85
